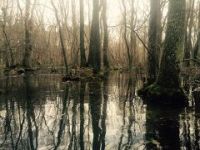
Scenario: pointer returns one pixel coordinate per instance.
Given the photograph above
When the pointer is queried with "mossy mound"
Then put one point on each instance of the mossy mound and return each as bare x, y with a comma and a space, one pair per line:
84, 75
158, 95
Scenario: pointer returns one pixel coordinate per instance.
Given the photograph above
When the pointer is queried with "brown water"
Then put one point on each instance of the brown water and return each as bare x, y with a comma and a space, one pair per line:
40, 112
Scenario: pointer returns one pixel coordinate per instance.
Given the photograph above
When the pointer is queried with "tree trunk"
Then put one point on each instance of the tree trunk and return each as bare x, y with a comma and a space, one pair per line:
63, 49
173, 45
94, 60
28, 45
196, 49
188, 32
154, 40
82, 43
74, 47
7, 40
105, 40
167, 90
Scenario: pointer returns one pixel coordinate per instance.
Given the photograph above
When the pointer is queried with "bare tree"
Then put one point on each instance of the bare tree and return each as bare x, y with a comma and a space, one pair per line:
94, 60
82, 41
9, 51
28, 44
105, 38
63, 49
125, 35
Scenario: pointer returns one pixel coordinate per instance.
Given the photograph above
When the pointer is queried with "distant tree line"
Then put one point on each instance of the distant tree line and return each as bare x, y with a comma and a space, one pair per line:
80, 35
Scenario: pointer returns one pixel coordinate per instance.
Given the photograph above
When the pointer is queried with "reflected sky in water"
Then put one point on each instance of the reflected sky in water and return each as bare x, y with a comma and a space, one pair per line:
41, 112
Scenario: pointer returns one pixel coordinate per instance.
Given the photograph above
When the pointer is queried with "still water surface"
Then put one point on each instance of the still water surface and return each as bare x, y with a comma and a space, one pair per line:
39, 112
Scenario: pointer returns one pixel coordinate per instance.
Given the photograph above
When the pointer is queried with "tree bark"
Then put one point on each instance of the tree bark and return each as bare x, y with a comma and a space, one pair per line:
154, 40
105, 38
82, 43
94, 60
173, 45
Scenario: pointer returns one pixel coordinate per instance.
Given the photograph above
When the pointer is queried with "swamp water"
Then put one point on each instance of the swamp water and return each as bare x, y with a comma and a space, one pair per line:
40, 112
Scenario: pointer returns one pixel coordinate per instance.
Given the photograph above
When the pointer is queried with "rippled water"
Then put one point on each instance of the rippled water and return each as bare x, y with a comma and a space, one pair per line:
41, 112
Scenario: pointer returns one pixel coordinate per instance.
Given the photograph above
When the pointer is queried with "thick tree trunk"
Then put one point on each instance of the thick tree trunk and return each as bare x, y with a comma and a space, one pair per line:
154, 40
94, 60
167, 90
82, 43
173, 45
105, 40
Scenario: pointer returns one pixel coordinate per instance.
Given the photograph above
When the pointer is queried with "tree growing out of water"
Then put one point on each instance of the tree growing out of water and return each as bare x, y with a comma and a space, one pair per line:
105, 38
94, 59
82, 43
28, 45
167, 86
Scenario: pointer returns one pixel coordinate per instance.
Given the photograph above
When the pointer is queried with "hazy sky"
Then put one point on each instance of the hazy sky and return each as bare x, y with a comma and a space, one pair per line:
114, 8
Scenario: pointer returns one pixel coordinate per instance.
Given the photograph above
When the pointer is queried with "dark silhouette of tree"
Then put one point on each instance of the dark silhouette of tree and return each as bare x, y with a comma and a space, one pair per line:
28, 44
95, 101
105, 38
62, 122
82, 111
82, 42
94, 60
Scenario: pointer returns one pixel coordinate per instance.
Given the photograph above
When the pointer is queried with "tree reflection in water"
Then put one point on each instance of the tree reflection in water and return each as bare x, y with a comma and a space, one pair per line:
162, 128
40, 112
